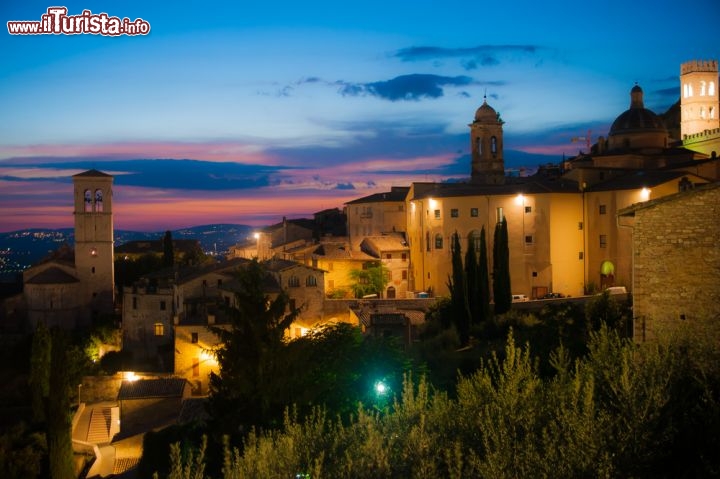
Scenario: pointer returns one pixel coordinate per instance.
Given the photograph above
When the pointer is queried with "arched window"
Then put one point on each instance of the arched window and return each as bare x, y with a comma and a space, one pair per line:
702, 87
98, 201
311, 281
711, 88
685, 90
712, 112
438, 241
293, 282
88, 201
478, 142
702, 112
493, 145
474, 236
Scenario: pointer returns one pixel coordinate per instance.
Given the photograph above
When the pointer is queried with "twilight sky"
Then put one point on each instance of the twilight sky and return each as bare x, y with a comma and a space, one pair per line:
248, 112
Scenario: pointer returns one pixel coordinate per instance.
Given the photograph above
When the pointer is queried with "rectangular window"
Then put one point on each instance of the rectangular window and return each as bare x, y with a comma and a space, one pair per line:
194, 338
388, 256
196, 367
404, 274
437, 214
219, 282
163, 306
159, 329
500, 214
580, 225
474, 212
403, 256
454, 213
602, 209
581, 255
603, 241
529, 239
528, 209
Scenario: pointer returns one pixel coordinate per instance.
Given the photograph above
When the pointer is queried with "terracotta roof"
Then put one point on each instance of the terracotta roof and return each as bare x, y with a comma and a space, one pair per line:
152, 388
92, 173
387, 243
396, 193
53, 275
339, 252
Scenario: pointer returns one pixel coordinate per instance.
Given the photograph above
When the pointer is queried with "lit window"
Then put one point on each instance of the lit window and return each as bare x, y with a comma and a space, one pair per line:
602, 210
603, 241
438, 241
500, 215
474, 212
159, 329
711, 88
454, 213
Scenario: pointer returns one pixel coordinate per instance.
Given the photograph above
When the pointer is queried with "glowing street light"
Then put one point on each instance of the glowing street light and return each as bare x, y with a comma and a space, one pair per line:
645, 194
381, 389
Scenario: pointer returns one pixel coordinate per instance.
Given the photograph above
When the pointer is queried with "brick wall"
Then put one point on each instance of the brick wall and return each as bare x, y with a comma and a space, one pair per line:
676, 256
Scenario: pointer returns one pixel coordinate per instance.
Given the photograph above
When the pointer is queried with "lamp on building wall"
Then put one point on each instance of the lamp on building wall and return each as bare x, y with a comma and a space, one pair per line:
644, 194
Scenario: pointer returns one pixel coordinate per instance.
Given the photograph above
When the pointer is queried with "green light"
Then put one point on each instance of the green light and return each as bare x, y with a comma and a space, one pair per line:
381, 388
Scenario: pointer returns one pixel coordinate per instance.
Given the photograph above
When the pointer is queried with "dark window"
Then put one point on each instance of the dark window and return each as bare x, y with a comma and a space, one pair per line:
194, 338
474, 212
437, 214
163, 306
219, 282
438, 241
454, 213
581, 255
403, 256
93, 269
528, 209
404, 274
603, 209
134, 302
603, 241
528, 239
580, 225
311, 281
294, 282
388, 256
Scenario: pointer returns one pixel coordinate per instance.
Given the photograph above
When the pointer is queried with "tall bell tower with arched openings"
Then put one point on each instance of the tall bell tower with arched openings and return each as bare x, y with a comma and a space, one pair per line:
486, 146
94, 261
698, 97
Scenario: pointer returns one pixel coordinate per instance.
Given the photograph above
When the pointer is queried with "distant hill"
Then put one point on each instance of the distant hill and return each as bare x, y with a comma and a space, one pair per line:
21, 249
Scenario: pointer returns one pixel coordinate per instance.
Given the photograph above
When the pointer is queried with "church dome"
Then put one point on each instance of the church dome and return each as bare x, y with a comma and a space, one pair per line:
637, 127
486, 113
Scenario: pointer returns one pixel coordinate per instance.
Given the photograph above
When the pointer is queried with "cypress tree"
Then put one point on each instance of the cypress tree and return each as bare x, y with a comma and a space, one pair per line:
458, 292
483, 279
168, 250
473, 284
501, 269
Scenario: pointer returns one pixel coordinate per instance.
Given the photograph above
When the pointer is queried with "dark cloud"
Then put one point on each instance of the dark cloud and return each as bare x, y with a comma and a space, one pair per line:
471, 58
175, 174
344, 186
406, 87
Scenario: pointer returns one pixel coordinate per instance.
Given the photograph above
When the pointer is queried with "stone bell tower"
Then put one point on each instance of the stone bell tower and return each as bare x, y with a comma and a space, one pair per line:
94, 241
698, 97
486, 145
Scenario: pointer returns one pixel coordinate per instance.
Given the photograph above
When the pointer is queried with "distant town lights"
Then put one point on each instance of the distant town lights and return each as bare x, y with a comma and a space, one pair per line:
645, 194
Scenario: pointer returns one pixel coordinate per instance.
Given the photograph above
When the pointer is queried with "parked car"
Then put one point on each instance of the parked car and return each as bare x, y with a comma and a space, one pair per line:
617, 290
553, 295
519, 298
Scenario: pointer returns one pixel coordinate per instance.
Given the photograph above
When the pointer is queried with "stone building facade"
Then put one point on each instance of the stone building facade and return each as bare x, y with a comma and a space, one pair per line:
676, 261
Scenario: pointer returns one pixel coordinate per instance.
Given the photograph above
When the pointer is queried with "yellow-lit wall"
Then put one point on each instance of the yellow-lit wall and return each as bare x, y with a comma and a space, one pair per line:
373, 219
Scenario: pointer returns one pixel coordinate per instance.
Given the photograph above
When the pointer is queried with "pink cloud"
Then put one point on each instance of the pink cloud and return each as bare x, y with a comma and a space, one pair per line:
220, 151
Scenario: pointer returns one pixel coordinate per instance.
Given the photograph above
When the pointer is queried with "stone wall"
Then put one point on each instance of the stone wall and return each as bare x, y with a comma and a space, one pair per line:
676, 259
